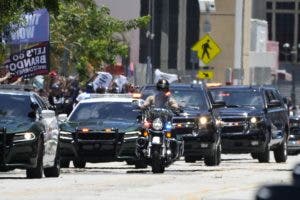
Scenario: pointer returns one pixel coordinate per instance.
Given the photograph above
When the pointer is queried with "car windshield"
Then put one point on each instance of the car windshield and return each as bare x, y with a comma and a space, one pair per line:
15, 106
105, 111
190, 98
238, 97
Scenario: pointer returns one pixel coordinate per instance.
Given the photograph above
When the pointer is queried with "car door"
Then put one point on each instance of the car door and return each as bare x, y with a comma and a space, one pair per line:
275, 115
51, 132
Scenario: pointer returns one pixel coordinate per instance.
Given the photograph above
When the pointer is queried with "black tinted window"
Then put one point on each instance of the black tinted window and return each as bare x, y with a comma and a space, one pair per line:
238, 97
190, 98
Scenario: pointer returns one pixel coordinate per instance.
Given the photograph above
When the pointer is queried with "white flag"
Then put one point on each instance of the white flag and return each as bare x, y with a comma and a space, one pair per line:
161, 75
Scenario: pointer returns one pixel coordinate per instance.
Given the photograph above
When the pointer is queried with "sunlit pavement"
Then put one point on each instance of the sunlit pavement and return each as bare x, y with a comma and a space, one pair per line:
238, 177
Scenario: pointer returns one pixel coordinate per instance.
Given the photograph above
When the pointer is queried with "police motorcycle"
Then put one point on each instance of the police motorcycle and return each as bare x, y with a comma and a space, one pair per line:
157, 146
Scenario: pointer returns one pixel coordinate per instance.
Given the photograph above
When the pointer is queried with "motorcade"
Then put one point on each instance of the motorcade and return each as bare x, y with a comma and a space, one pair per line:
254, 119
28, 133
294, 139
157, 146
102, 128
197, 125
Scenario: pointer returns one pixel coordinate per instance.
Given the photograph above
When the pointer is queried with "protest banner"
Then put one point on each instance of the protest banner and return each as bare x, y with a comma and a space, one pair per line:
33, 29
29, 62
103, 79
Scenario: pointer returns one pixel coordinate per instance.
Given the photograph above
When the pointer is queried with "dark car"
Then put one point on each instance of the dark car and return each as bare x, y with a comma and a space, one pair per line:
103, 128
197, 123
254, 120
294, 139
28, 133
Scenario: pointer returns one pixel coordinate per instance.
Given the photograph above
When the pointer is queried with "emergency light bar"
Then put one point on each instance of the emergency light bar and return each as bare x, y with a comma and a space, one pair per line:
134, 95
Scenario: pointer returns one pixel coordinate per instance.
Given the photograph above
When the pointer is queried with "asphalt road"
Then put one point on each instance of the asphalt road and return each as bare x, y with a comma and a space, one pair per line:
238, 177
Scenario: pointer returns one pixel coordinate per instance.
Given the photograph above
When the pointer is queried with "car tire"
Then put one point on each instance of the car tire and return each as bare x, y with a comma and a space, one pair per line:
37, 172
53, 171
280, 153
215, 158
130, 162
157, 164
64, 163
79, 163
264, 157
254, 155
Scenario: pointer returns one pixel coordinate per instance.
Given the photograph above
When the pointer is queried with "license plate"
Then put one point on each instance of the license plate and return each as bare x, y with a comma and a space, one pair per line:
156, 140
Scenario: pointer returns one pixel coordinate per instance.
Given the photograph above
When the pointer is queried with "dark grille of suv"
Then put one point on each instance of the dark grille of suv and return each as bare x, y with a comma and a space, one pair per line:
96, 136
233, 125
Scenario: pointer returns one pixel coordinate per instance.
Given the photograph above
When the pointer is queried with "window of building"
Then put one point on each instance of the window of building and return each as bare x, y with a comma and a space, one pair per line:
269, 19
285, 5
284, 33
192, 31
269, 5
173, 30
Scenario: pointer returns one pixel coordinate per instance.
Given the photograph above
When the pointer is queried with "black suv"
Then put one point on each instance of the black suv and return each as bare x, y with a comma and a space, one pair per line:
254, 120
28, 133
197, 123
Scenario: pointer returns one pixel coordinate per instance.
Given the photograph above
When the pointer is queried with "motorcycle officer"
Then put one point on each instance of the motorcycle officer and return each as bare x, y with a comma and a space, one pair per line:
162, 99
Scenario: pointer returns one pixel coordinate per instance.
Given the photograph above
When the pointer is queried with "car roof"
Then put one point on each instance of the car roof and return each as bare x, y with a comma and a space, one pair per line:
16, 89
257, 87
175, 85
109, 98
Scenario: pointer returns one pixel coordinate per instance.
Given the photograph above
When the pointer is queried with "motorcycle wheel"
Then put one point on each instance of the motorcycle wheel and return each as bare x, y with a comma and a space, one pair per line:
157, 165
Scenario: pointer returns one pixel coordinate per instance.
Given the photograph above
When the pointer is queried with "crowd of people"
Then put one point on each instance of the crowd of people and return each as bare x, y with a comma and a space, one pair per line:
62, 93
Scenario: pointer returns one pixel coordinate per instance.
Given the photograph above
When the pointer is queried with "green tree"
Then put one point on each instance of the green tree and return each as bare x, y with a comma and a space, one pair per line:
11, 10
85, 36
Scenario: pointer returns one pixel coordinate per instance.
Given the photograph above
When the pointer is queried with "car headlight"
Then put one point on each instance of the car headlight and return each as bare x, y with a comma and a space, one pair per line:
27, 136
253, 120
157, 124
65, 135
203, 120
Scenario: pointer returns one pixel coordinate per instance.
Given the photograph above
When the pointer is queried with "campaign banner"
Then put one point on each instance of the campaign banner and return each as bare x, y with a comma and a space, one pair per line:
103, 79
162, 75
29, 62
35, 28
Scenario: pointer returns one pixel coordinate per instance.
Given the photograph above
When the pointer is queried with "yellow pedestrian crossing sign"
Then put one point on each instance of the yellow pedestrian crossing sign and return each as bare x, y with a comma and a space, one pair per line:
205, 74
207, 49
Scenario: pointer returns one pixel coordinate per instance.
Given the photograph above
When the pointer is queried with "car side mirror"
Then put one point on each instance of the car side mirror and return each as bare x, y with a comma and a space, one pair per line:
219, 104
274, 103
62, 117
